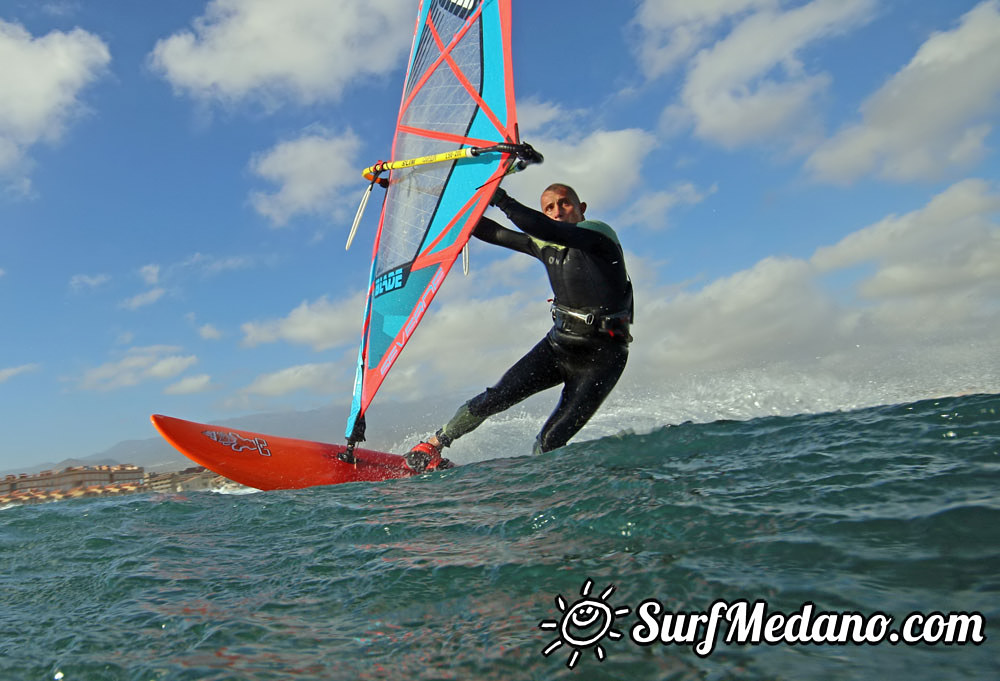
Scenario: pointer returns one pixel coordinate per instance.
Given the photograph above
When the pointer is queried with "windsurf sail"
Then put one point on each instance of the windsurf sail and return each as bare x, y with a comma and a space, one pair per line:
456, 137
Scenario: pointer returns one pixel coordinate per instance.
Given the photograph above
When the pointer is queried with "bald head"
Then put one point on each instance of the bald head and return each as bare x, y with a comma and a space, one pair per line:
561, 202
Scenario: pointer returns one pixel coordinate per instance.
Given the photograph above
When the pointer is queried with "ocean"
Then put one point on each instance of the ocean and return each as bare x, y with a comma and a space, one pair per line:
843, 545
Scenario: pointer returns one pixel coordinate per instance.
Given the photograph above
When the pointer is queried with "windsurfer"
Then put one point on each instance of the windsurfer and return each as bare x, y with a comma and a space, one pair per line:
587, 347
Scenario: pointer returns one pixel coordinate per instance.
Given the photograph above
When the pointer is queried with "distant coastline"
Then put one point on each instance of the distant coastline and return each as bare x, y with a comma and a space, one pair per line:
76, 482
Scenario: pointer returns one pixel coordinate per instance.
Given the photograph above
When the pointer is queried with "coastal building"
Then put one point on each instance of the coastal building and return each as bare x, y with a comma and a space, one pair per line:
187, 480
73, 478
99, 481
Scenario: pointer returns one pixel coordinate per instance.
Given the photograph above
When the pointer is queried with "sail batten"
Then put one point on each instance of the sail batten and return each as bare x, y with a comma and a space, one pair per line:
443, 136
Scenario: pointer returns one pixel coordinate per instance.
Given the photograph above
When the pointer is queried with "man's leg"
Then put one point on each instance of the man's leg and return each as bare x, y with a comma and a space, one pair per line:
592, 377
536, 371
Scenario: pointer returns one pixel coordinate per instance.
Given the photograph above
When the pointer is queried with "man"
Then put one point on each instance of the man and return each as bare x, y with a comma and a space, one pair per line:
587, 347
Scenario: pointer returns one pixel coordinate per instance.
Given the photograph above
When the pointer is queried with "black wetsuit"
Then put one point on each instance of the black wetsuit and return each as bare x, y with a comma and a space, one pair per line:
587, 348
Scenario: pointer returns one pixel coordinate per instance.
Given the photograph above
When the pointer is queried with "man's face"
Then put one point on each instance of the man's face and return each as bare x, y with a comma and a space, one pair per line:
560, 205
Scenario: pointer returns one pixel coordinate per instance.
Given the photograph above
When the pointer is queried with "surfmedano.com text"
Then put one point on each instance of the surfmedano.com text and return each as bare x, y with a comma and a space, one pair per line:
747, 624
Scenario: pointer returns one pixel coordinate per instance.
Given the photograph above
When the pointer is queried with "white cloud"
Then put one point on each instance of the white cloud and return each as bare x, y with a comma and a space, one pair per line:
10, 153
604, 167
934, 283
652, 210
156, 362
948, 247
169, 367
40, 85
312, 172
209, 332
321, 325
164, 278
930, 118
190, 385
772, 310
752, 86
212, 265
79, 282
948, 218
309, 50
11, 372
673, 30
318, 378
143, 299
150, 274
205, 331
539, 117
746, 82
61, 8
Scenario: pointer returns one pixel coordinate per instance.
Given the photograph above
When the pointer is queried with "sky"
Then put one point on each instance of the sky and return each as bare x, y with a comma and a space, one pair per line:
807, 193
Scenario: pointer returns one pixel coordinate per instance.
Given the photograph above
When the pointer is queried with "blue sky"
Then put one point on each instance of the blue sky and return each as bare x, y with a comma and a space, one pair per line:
807, 193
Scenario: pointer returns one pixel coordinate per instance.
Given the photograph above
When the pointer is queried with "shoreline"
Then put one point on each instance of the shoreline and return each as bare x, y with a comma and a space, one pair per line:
104, 481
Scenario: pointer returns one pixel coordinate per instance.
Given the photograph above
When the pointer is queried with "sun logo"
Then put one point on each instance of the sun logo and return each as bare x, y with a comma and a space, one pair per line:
584, 624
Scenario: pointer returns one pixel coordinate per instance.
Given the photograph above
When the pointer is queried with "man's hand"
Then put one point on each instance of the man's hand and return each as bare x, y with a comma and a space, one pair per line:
499, 198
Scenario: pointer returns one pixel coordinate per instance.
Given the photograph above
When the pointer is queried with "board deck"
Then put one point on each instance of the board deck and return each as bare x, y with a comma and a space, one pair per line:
272, 462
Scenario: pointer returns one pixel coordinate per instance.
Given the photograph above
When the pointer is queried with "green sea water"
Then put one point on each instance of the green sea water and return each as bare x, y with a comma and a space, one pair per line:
890, 510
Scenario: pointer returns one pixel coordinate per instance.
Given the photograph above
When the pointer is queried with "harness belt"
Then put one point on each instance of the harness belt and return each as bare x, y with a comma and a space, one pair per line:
581, 323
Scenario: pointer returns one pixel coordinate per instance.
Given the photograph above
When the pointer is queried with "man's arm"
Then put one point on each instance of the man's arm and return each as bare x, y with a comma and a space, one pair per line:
493, 233
540, 226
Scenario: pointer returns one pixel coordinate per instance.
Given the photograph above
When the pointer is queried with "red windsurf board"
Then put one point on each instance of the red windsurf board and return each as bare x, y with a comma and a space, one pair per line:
272, 462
